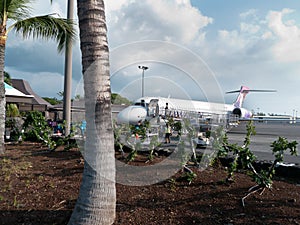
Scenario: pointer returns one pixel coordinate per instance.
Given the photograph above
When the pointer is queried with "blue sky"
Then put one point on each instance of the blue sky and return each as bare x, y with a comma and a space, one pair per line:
196, 49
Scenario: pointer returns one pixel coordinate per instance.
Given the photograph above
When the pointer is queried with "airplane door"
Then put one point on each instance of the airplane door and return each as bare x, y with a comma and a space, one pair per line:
153, 108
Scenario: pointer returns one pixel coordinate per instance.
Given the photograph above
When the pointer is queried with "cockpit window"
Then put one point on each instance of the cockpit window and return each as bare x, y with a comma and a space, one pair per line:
142, 103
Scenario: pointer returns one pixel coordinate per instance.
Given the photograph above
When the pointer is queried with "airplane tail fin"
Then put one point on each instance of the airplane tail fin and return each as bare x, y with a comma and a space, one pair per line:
242, 94
241, 97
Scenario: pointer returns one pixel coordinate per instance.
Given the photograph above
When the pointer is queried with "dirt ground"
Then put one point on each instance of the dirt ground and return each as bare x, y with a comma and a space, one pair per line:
41, 187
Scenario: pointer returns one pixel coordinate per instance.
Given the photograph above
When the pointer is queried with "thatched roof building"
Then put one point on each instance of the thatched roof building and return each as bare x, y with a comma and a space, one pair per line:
37, 103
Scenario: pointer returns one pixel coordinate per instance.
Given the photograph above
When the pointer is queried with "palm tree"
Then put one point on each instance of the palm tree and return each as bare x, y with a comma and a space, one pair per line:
7, 78
45, 27
97, 196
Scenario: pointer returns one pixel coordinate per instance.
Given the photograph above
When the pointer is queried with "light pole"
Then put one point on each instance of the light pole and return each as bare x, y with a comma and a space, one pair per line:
294, 116
68, 75
143, 75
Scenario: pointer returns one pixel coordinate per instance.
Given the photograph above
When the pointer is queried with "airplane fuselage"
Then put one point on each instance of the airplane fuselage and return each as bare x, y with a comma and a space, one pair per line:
149, 107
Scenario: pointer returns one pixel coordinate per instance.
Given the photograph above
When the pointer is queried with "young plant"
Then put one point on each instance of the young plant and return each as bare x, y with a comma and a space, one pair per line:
37, 129
118, 131
190, 176
264, 177
172, 183
186, 148
124, 135
134, 151
140, 129
191, 134
153, 144
134, 143
177, 126
242, 155
245, 158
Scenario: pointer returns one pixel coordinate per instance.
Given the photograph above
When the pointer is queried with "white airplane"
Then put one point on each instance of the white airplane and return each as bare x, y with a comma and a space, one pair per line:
146, 108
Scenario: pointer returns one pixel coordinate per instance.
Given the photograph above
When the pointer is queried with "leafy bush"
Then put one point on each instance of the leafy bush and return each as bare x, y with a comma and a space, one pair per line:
36, 129
14, 125
12, 110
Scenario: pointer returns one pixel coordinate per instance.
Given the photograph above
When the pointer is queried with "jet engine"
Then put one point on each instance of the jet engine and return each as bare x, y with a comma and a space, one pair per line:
242, 113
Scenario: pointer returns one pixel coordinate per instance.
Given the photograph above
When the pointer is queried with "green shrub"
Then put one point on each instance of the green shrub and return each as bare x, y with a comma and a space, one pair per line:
37, 129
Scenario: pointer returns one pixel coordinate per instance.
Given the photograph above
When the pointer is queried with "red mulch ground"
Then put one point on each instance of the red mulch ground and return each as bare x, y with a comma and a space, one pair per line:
41, 187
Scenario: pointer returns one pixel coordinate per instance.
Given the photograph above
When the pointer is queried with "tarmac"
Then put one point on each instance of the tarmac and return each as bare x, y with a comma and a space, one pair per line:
267, 133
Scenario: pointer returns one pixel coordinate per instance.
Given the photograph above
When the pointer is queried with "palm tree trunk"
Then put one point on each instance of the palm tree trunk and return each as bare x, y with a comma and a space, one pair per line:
2, 90
97, 197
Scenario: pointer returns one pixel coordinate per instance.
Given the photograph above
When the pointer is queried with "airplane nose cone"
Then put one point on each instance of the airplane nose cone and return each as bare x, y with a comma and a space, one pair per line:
132, 115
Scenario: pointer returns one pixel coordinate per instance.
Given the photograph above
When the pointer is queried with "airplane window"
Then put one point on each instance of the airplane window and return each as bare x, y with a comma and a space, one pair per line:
141, 104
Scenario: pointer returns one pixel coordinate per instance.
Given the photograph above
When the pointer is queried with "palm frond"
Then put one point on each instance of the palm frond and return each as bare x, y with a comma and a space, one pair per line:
15, 9
47, 27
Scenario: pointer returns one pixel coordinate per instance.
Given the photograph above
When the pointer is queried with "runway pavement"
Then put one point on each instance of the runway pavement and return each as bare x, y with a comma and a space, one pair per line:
266, 133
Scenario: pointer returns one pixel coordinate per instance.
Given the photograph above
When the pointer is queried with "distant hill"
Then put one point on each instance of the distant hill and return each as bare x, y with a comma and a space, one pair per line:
119, 100
115, 99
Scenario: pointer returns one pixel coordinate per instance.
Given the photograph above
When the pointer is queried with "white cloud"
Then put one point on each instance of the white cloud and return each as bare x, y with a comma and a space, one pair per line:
184, 20
116, 5
269, 38
287, 34
249, 28
241, 42
171, 20
40, 7
267, 35
249, 13
230, 42
183, 2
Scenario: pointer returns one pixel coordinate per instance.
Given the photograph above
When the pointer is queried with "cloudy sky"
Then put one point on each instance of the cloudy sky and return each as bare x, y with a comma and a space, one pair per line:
195, 49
